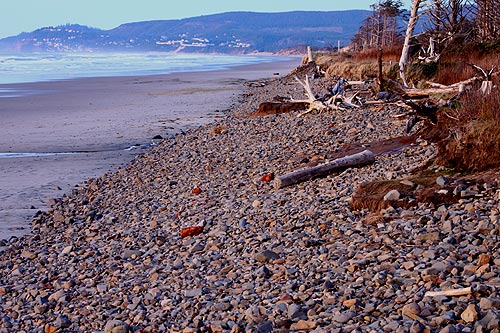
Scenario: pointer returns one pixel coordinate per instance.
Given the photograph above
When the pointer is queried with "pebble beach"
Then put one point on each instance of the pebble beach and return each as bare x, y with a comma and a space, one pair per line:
108, 256
67, 131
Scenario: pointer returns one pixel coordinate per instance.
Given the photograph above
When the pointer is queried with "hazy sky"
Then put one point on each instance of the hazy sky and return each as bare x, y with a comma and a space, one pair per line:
18, 16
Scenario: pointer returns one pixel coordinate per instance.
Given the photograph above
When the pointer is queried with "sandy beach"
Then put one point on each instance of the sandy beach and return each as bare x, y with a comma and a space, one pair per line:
99, 118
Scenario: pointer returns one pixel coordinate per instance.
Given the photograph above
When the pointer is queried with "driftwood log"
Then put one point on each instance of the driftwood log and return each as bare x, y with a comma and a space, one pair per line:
450, 292
357, 160
459, 87
431, 91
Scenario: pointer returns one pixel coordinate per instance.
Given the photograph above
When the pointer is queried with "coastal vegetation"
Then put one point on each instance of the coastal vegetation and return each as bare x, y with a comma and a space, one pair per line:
465, 38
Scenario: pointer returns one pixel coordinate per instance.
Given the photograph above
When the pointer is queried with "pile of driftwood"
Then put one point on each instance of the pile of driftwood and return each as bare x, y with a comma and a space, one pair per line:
417, 101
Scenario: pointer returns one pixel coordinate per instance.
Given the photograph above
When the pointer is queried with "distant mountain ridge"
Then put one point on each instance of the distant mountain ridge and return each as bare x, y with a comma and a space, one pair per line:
233, 32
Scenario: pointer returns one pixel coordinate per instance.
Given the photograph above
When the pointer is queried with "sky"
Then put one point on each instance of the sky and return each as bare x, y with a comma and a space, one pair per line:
18, 16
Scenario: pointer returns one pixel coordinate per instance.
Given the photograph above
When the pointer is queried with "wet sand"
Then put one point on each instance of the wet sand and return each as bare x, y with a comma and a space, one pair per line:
99, 118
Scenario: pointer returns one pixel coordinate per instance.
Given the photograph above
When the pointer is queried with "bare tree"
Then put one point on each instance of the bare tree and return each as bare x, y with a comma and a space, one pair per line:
488, 19
405, 53
380, 28
362, 38
448, 19
390, 11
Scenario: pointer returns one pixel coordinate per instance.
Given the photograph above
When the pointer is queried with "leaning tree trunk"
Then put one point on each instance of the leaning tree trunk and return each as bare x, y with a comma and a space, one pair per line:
405, 54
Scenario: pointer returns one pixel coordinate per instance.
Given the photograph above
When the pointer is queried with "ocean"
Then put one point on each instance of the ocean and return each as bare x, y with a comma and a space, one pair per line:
37, 67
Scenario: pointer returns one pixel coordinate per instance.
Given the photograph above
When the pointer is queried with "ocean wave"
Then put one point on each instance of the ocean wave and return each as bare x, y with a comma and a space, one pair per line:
49, 67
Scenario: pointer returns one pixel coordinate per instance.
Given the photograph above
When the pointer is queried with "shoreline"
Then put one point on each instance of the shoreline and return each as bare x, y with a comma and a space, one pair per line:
52, 67
101, 117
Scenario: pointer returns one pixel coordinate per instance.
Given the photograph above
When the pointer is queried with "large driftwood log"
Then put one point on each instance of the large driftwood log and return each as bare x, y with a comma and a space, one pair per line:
357, 160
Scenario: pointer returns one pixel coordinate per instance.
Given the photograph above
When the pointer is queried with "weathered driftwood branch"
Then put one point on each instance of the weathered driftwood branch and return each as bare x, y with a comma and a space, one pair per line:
307, 88
431, 91
436, 85
356, 82
450, 292
349, 100
459, 87
451, 117
357, 160
466, 82
384, 102
429, 55
486, 75
314, 104
487, 84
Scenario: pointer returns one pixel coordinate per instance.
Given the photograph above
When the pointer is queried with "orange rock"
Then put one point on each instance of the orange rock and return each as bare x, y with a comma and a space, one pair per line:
483, 259
470, 314
286, 298
191, 231
196, 191
267, 178
50, 329
349, 302
303, 325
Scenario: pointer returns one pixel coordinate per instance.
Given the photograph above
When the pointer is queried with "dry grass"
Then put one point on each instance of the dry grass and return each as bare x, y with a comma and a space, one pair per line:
352, 69
455, 62
389, 54
360, 65
474, 141
425, 189
454, 70
468, 133
371, 195
453, 67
